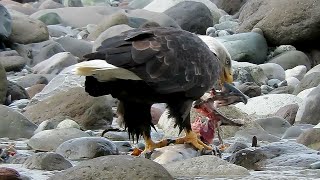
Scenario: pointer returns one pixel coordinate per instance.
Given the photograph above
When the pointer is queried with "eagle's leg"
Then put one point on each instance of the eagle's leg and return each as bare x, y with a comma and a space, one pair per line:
151, 145
192, 138
181, 112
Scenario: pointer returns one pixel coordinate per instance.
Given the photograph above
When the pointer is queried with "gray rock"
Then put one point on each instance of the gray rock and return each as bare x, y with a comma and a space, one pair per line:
89, 112
13, 63
258, 14
123, 146
47, 161
61, 31
227, 25
291, 59
50, 4
5, 23
191, 16
49, 140
14, 125
9, 173
139, 4
117, 136
250, 89
227, 17
268, 104
261, 135
110, 32
315, 165
282, 49
310, 138
16, 92
205, 166
45, 125
68, 123
310, 80
273, 71
273, 82
292, 82
161, 6
282, 90
78, 3
235, 147
55, 64
77, 47
230, 6
288, 112
170, 154
19, 104
26, 30
274, 125
102, 167
265, 89
223, 33
284, 153
246, 72
314, 69
295, 131
297, 72
37, 52
3, 84
246, 47
87, 148
50, 18
33, 79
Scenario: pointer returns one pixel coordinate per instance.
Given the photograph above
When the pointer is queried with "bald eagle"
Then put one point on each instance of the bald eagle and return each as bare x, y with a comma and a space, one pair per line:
144, 66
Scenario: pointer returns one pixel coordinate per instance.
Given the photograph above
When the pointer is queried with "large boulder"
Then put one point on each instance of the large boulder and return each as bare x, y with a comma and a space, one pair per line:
229, 6
5, 23
47, 161
311, 79
89, 112
115, 167
50, 140
3, 84
14, 125
308, 113
310, 138
246, 47
26, 30
162, 6
191, 16
295, 26
291, 59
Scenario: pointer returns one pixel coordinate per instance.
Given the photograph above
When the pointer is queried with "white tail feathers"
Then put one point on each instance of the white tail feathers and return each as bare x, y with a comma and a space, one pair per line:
103, 71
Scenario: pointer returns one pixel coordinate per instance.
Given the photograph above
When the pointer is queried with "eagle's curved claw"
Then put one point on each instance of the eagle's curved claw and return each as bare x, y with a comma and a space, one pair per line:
192, 138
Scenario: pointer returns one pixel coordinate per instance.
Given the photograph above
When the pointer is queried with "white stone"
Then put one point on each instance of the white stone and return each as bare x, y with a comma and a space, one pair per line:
297, 72
292, 81
273, 71
268, 104
68, 123
303, 94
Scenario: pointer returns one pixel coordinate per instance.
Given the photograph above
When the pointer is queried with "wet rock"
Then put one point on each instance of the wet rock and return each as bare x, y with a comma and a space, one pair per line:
295, 131
205, 166
26, 30
88, 112
274, 125
235, 147
310, 138
49, 140
246, 47
268, 104
291, 59
47, 161
87, 148
55, 64
14, 125
13, 63
273, 71
191, 16
249, 158
128, 167
288, 112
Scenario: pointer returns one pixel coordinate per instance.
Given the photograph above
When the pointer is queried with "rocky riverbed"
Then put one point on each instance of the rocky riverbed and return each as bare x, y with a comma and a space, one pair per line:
50, 128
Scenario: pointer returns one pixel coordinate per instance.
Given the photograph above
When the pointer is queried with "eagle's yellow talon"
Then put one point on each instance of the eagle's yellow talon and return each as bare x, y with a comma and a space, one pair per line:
192, 138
